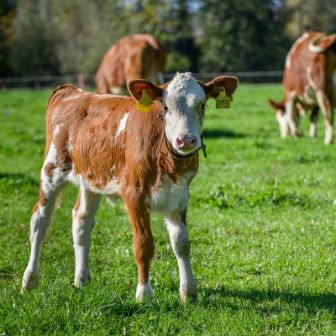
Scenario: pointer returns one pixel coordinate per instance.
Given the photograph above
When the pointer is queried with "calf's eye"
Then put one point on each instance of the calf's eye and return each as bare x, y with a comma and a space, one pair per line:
201, 106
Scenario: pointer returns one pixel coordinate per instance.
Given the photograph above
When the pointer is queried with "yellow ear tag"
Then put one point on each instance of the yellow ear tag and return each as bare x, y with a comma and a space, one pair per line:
222, 100
144, 103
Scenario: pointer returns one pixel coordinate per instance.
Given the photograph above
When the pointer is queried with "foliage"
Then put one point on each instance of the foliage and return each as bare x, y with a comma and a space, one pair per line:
33, 48
242, 34
313, 15
265, 264
7, 13
52, 37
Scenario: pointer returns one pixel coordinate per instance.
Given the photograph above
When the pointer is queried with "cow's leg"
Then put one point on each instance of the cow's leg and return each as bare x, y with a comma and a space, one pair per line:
290, 111
82, 224
178, 232
327, 110
313, 122
40, 221
139, 214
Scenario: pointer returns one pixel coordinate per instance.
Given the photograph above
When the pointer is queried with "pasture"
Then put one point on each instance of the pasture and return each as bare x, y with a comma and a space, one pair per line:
261, 223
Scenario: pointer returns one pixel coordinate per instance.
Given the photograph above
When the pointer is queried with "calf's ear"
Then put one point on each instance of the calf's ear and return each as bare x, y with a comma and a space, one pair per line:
140, 87
220, 83
144, 92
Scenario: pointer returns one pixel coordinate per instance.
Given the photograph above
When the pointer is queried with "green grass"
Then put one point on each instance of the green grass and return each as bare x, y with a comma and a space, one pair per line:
261, 222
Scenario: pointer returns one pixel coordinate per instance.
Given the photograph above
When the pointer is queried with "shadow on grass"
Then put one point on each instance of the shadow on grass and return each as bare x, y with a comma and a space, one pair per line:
254, 297
222, 133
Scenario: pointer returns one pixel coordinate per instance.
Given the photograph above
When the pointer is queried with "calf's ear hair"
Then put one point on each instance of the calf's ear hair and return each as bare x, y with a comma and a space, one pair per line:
216, 85
137, 86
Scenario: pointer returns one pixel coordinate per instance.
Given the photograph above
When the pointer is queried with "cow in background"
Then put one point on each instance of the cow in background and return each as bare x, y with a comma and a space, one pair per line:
132, 57
308, 80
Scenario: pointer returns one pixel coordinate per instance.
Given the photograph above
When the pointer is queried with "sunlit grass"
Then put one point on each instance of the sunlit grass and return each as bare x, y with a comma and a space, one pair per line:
261, 221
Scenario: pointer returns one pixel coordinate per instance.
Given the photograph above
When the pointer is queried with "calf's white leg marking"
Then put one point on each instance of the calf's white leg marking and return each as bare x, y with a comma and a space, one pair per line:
82, 224
178, 233
143, 290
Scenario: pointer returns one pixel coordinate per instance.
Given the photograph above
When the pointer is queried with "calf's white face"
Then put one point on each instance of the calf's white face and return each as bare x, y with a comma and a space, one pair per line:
184, 104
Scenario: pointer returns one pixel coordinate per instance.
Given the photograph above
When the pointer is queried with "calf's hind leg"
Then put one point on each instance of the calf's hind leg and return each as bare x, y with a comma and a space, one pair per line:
39, 224
82, 224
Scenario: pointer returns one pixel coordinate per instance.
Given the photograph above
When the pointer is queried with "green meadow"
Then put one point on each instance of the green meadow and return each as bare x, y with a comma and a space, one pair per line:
261, 223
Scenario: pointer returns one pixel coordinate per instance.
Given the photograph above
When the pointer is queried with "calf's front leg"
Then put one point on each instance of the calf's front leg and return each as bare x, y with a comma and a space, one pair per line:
292, 124
178, 232
144, 248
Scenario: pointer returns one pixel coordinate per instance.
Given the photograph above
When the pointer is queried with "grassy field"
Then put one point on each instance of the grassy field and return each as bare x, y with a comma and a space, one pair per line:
261, 223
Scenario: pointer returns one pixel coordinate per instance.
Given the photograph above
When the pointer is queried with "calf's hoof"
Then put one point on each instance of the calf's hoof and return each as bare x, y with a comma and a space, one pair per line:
81, 279
30, 280
143, 291
188, 293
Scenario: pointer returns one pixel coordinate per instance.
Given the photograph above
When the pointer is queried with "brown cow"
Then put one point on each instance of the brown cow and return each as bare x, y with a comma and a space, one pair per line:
308, 81
132, 57
106, 147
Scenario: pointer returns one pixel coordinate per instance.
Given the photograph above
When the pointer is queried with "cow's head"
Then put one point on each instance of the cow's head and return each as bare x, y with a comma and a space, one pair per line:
183, 100
280, 113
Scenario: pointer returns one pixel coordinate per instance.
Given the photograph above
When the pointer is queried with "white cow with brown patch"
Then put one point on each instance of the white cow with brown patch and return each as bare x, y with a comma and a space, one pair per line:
309, 83
105, 146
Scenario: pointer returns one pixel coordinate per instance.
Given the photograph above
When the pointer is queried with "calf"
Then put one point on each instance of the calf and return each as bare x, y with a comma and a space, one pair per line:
105, 146
308, 81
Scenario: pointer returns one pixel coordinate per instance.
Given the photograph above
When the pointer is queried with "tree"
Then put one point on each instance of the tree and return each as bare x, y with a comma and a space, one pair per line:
242, 35
33, 50
310, 15
7, 14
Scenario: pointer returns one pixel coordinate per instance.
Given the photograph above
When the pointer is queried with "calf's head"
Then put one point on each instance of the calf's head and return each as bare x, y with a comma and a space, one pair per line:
183, 101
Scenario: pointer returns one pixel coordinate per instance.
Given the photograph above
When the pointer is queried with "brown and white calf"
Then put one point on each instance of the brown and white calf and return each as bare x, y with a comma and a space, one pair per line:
105, 146
309, 84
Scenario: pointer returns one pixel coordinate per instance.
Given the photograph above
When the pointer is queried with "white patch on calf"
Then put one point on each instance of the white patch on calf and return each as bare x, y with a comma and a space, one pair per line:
56, 130
111, 188
56, 178
122, 125
170, 196
182, 98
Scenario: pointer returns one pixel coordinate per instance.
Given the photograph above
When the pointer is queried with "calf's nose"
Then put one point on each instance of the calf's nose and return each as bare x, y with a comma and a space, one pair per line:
186, 142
